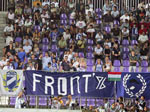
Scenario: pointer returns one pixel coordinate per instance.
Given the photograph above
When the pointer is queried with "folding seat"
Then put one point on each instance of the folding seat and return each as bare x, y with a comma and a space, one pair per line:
137, 66
18, 39
98, 21
63, 16
12, 101
90, 62
126, 65
89, 69
91, 102
89, 55
125, 56
82, 102
37, 27
81, 54
125, 42
133, 42
116, 22
108, 28
45, 41
45, 48
54, 48
43, 101
98, 11
32, 101
89, 49
116, 65
99, 102
144, 65
125, 50
90, 42
71, 21
111, 101
63, 22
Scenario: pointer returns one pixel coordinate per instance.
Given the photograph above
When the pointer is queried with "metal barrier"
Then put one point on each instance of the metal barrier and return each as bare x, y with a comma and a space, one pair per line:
96, 3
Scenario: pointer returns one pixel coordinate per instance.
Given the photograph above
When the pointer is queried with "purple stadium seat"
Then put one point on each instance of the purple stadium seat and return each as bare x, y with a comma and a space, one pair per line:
90, 102
116, 69
133, 42
125, 56
45, 41
81, 54
125, 49
125, 42
98, 11
42, 101
98, 21
37, 27
89, 69
90, 62
144, 69
90, 42
117, 63
90, 48
116, 22
63, 16
108, 28
126, 63
18, 39
82, 102
89, 55
12, 101
71, 21
144, 63
54, 48
32, 101
64, 22
99, 16
125, 69
45, 47
99, 102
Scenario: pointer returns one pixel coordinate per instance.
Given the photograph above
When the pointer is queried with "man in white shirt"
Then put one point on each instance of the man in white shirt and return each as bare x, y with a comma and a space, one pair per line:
28, 23
66, 35
10, 16
80, 24
27, 48
8, 66
98, 52
46, 2
99, 37
8, 40
19, 100
8, 29
124, 17
19, 21
27, 40
143, 38
3, 62
44, 16
55, 3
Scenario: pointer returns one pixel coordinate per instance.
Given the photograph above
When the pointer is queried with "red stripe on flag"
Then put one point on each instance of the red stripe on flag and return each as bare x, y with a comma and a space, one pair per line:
114, 73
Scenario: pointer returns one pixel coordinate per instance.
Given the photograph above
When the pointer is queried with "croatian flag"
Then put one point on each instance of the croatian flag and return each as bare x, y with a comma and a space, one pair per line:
114, 76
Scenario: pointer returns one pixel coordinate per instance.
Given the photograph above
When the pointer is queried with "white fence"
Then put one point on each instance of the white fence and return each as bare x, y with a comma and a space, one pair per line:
96, 3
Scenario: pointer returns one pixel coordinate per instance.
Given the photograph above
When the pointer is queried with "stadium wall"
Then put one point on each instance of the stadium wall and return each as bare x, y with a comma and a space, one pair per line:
96, 3
35, 110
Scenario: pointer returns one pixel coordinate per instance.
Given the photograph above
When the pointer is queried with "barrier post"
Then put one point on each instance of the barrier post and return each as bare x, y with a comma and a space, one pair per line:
115, 90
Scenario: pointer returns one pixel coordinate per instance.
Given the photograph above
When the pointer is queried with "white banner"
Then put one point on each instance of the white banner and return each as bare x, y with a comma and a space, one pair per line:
11, 82
36, 110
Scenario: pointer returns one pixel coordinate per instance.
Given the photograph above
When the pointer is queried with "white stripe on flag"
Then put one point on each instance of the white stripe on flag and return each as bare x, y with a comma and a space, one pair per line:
11, 80
114, 76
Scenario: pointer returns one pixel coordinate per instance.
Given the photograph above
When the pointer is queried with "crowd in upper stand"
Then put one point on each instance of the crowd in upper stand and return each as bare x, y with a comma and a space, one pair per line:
66, 36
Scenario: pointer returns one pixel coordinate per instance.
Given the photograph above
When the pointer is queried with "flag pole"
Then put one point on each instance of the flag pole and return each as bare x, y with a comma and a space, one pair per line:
115, 92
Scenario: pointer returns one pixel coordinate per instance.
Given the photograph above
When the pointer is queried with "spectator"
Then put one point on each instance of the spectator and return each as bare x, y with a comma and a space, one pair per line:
99, 66
65, 64
99, 38
31, 66
48, 67
10, 16
98, 52
83, 65
62, 44
144, 52
8, 29
143, 38
107, 65
46, 59
27, 48
8, 66
115, 52
133, 61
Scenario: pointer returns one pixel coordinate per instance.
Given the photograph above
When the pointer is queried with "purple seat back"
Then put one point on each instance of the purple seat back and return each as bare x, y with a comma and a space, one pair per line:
108, 28
144, 63
89, 55
117, 63
18, 39
64, 22
37, 27
125, 42
89, 69
125, 69
42, 101
45, 41
98, 21
125, 49
133, 42
126, 63
144, 69
90, 42
32, 101
90, 102
45, 47
54, 48
12, 101
116, 69
90, 48
90, 62
98, 11
116, 22
81, 54
99, 102
63, 16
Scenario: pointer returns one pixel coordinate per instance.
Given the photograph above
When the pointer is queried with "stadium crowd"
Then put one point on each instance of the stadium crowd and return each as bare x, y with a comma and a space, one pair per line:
66, 36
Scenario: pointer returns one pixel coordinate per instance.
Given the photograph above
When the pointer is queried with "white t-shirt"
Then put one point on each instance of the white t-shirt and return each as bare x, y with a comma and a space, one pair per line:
123, 18
99, 37
27, 48
56, 4
92, 30
8, 40
143, 38
9, 29
66, 36
8, 67
98, 50
80, 24
28, 23
45, 3
11, 16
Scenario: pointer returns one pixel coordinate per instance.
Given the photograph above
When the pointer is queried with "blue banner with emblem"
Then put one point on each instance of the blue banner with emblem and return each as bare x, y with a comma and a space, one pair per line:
134, 85
84, 84
11, 82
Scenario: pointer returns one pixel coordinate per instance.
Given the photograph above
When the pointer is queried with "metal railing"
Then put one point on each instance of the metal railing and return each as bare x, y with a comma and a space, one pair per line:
96, 3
